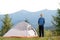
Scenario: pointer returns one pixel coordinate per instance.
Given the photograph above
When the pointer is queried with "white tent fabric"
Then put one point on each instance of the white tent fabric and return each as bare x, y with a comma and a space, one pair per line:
22, 29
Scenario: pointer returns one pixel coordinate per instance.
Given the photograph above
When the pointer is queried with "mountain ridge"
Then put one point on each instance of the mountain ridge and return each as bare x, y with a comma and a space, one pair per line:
32, 17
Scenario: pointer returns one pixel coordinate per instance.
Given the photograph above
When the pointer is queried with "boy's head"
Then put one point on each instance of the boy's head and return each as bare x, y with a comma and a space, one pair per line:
41, 15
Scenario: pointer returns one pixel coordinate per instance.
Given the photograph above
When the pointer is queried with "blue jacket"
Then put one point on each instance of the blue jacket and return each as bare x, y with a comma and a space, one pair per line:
41, 21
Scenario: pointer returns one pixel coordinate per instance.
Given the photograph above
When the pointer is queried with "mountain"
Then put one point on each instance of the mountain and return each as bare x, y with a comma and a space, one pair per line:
32, 17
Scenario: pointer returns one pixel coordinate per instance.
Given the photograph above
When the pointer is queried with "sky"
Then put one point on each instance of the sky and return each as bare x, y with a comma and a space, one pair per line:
11, 6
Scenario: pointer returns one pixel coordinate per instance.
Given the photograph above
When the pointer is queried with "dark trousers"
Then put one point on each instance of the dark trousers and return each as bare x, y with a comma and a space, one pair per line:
41, 30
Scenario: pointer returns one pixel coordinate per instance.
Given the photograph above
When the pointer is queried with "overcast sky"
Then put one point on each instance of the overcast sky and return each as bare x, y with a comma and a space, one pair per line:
11, 6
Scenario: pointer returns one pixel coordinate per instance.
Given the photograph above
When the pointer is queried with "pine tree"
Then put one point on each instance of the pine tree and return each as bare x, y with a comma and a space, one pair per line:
7, 24
56, 22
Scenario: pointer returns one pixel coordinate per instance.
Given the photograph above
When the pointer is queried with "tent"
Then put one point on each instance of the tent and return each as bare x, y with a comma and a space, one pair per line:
22, 29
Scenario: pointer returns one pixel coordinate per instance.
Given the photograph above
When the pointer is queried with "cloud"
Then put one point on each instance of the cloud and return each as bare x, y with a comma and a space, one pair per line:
11, 6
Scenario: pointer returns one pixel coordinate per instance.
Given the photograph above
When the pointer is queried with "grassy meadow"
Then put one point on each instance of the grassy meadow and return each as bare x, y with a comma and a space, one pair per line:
37, 38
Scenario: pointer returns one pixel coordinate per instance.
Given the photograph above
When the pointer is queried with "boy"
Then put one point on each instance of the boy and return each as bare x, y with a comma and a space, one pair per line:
41, 23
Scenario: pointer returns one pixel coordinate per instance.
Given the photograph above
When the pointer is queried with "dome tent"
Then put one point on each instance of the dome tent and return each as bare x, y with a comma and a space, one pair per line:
22, 29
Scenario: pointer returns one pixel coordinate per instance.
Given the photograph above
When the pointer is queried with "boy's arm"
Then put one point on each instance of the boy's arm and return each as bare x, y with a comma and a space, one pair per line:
44, 21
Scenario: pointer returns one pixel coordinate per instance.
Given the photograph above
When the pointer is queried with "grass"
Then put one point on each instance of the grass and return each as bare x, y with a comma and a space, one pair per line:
37, 38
